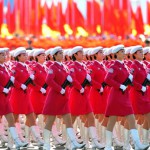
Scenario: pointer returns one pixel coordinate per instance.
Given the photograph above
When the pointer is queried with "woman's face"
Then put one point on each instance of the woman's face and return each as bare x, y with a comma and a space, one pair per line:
23, 57
59, 56
41, 58
79, 56
121, 54
2, 57
100, 55
139, 55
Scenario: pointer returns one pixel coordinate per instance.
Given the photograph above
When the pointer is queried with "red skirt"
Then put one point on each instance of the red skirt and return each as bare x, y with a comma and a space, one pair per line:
79, 103
56, 103
5, 107
37, 100
98, 101
20, 101
140, 102
118, 103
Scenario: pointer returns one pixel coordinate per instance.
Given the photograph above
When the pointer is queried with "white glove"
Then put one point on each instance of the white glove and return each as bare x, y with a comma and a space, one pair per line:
32, 76
82, 90
42, 90
69, 78
88, 77
6, 91
12, 79
62, 91
143, 89
148, 76
123, 87
101, 90
24, 87
130, 77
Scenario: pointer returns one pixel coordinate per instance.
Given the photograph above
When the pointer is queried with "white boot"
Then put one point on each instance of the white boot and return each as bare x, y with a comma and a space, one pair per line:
126, 145
3, 137
46, 136
17, 141
19, 131
103, 135
93, 136
56, 138
10, 144
145, 136
136, 140
27, 137
86, 137
36, 135
108, 140
72, 137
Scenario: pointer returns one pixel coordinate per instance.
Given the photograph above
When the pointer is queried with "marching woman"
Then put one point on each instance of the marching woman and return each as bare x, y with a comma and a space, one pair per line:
57, 100
20, 99
98, 95
79, 101
118, 103
5, 107
38, 92
49, 58
139, 94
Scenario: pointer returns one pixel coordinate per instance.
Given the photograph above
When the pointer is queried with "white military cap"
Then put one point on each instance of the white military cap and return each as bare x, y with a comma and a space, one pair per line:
105, 50
65, 52
19, 50
55, 50
96, 50
146, 50
5, 49
135, 49
76, 49
109, 50
38, 52
2, 50
85, 51
30, 53
11, 53
48, 52
69, 52
117, 48
127, 50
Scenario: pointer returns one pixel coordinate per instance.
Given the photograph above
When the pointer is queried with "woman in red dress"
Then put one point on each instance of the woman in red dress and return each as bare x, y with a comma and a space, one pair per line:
98, 95
5, 107
139, 93
57, 100
20, 99
118, 101
38, 92
79, 101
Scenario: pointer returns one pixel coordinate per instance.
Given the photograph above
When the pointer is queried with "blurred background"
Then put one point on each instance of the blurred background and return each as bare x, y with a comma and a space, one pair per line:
75, 19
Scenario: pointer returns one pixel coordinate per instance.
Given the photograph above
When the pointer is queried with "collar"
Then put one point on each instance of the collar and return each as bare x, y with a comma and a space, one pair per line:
99, 62
140, 62
59, 63
120, 61
23, 64
80, 63
2, 65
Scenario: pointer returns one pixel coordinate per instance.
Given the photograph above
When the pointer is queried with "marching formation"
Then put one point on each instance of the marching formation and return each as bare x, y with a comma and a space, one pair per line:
77, 98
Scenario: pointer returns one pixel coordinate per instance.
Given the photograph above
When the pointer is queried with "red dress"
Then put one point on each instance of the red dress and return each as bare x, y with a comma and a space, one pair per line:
118, 103
37, 98
140, 102
20, 99
79, 103
97, 100
5, 107
56, 103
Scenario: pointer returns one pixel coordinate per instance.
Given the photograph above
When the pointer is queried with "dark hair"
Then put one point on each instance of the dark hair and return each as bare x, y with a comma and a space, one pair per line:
87, 57
73, 58
110, 56
47, 58
16, 58
115, 56
134, 57
54, 56
128, 56
65, 58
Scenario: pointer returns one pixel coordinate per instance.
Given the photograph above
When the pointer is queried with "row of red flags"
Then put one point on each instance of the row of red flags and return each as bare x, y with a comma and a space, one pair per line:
112, 16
